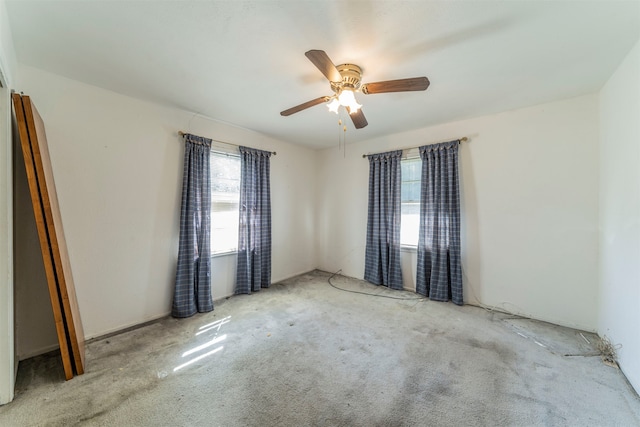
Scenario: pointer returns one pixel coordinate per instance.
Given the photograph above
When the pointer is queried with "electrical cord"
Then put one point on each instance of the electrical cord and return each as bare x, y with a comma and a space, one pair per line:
370, 294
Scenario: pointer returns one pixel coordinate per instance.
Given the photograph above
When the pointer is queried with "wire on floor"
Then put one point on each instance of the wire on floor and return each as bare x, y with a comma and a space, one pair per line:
370, 294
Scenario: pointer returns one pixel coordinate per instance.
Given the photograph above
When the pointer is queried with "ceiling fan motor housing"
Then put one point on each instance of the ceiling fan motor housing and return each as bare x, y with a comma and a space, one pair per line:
351, 77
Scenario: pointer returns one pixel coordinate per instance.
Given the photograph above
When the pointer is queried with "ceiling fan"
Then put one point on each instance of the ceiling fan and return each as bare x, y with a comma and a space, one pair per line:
344, 80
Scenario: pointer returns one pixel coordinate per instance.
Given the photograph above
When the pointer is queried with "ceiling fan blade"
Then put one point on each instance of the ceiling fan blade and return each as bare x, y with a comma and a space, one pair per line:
305, 105
358, 118
402, 85
321, 60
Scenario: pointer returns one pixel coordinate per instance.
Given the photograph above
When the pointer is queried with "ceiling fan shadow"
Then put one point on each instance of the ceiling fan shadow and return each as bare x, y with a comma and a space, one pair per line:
435, 44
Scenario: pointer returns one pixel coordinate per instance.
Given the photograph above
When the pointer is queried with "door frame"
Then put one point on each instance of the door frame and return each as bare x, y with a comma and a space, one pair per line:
8, 366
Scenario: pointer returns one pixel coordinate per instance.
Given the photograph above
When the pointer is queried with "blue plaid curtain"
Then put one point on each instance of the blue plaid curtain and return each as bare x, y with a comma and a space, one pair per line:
254, 235
382, 260
193, 274
439, 272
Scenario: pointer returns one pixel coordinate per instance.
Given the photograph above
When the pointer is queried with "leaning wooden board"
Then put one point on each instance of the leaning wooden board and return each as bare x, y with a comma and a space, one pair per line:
51, 234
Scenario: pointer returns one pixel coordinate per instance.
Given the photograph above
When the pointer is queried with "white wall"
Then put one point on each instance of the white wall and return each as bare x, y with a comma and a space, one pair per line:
7, 67
117, 163
619, 296
529, 196
8, 59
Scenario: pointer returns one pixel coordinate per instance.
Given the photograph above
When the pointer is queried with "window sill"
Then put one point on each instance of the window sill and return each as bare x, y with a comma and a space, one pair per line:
408, 248
221, 254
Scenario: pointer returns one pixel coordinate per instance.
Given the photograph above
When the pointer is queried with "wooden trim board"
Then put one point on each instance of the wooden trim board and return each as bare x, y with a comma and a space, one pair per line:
51, 234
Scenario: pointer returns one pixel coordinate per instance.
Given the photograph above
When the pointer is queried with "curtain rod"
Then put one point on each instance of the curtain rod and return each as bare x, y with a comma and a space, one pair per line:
221, 142
464, 138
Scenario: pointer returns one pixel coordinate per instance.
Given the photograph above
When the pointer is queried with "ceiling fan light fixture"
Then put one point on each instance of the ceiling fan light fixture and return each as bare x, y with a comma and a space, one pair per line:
334, 105
347, 98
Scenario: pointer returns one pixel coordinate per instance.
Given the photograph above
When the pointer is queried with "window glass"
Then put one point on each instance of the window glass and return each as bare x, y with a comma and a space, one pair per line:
225, 198
410, 196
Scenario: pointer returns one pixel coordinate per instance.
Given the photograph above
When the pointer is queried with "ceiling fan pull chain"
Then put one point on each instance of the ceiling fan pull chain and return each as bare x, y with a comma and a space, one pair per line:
344, 142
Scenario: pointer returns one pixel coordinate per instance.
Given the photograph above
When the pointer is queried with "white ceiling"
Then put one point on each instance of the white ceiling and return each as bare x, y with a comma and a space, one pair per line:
242, 62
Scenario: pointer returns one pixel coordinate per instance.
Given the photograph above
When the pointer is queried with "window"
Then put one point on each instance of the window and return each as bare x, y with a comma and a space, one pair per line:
225, 199
410, 196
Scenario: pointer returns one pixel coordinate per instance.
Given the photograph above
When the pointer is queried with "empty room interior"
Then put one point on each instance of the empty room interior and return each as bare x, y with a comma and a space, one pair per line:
455, 240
